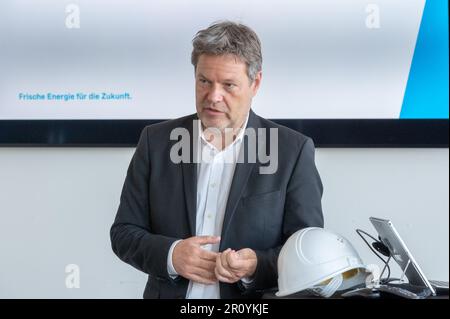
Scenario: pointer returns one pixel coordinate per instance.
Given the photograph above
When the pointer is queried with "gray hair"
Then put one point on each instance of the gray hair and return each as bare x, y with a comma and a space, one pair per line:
227, 37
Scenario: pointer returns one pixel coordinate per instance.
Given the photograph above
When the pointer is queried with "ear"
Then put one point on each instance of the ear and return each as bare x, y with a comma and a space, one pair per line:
256, 83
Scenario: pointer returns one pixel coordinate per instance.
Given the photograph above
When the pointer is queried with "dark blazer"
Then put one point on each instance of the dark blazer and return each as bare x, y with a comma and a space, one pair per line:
158, 207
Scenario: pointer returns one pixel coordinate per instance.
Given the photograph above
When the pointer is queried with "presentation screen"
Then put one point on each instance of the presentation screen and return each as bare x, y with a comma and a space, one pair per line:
95, 72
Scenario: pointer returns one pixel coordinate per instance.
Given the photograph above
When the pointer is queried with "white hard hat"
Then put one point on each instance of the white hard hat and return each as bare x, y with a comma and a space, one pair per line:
322, 261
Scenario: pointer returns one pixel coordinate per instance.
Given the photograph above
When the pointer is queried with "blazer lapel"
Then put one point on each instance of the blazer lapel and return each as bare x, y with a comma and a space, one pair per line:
190, 176
241, 175
190, 193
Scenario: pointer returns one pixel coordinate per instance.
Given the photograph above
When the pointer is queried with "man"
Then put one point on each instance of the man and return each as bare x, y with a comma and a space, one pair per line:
214, 228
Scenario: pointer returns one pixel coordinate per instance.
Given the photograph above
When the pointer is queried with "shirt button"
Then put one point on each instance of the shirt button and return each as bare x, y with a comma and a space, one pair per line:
213, 185
209, 216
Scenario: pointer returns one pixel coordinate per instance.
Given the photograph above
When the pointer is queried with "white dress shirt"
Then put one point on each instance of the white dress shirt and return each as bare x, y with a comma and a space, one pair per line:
214, 176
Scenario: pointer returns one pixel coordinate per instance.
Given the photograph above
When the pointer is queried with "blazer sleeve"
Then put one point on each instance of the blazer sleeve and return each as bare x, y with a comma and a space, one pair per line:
131, 237
303, 208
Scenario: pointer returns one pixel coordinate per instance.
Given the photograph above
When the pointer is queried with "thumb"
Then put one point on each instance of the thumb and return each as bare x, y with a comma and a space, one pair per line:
245, 253
202, 240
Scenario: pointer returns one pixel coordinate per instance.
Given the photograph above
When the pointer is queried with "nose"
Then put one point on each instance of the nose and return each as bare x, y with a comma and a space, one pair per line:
215, 94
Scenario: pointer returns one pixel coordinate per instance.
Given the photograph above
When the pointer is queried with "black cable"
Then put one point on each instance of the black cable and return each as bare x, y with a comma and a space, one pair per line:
386, 263
385, 267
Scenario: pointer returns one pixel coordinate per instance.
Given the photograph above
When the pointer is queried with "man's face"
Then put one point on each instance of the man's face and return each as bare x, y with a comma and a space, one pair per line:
223, 91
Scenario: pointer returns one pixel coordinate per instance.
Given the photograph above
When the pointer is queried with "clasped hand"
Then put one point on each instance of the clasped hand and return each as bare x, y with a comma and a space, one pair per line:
195, 263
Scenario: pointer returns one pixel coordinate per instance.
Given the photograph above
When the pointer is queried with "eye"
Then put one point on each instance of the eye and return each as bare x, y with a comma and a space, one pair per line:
203, 82
230, 86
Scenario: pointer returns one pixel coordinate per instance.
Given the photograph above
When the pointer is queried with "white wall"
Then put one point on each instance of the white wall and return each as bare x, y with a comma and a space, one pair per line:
57, 205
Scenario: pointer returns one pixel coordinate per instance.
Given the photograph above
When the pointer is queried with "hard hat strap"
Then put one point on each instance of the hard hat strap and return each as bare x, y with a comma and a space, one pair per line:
329, 289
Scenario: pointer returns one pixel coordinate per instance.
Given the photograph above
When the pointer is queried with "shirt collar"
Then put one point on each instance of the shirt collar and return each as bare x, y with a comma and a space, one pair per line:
236, 140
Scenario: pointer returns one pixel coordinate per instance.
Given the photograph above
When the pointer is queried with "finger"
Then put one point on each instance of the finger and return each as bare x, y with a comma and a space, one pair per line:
207, 255
203, 240
223, 258
236, 266
223, 273
220, 270
234, 262
206, 265
246, 254
225, 279
206, 275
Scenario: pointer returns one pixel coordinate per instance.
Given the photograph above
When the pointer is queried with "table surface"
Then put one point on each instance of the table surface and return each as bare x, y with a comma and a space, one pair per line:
307, 295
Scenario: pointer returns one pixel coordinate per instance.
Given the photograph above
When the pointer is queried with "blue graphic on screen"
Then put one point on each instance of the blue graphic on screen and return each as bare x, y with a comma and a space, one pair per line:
426, 94
355, 60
